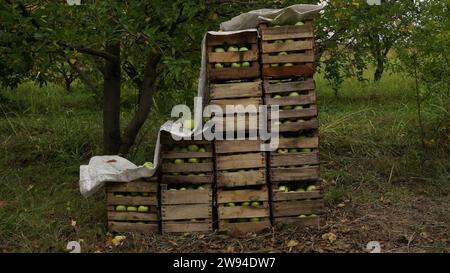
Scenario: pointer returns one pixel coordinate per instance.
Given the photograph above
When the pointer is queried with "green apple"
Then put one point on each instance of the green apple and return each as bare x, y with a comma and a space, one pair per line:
298, 107
277, 42
311, 188
148, 164
305, 150
300, 23
219, 50
243, 49
218, 65
178, 161
276, 26
313, 215
193, 220
131, 208
235, 65
277, 97
231, 204
255, 219
202, 150
189, 124
175, 174
246, 204
119, 195
201, 188
184, 150
246, 64
289, 41
294, 94
286, 107
143, 209
191, 174
283, 188
145, 194
293, 150
300, 189
201, 174
134, 193
183, 189
302, 216
121, 208
232, 49
274, 65
277, 123
287, 122
288, 64
282, 151
255, 204
172, 189
300, 120
193, 148
283, 53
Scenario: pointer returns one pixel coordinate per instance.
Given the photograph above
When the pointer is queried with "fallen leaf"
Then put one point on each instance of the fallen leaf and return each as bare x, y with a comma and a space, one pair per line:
73, 223
341, 205
331, 237
292, 243
230, 249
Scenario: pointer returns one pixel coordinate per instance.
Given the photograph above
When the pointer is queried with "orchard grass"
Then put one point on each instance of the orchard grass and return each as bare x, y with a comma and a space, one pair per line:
370, 149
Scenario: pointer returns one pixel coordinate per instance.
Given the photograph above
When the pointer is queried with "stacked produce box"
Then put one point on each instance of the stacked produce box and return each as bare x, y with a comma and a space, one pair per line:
234, 79
288, 70
186, 185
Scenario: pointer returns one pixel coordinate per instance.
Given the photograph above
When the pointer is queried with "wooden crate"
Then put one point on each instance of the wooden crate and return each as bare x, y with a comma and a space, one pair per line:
297, 42
237, 212
240, 163
200, 172
135, 194
187, 210
299, 151
291, 206
247, 39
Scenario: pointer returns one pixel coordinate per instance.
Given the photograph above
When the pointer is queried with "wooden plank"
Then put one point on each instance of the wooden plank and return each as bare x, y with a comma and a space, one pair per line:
167, 139
308, 84
297, 100
187, 167
232, 39
131, 200
238, 102
240, 161
307, 57
133, 227
243, 212
230, 73
296, 208
182, 212
304, 70
309, 112
294, 174
297, 159
186, 226
236, 90
287, 32
290, 46
301, 222
230, 57
227, 196
298, 142
131, 216
299, 126
237, 146
244, 227
171, 197
234, 123
247, 178
187, 179
288, 196
182, 155
134, 186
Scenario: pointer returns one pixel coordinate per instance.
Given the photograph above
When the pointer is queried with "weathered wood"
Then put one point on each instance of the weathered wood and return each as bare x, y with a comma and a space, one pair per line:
306, 85
247, 178
231, 73
243, 212
294, 174
296, 208
298, 142
244, 227
234, 123
182, 212
289, 196
132, 216
306, 57
297, 100
309, 112
132, 200
167, 140
152, 209
227, 196
134, 186
237, 146
187, 179
303, 70
187, 167
236, 90
286, 47
299, 126
186, 226
242, 102
182, 155
287, 32
229, 57
295, 159
133, 227
301, 222
172, 197
232, 39
240, 161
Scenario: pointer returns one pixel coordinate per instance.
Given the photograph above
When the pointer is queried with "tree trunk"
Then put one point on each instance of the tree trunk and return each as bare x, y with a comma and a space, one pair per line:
380, 69
111, 101
145, 103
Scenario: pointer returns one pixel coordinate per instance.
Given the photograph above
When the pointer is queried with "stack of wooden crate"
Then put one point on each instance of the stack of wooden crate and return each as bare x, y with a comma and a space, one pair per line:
242, 192
288, 70
186, 185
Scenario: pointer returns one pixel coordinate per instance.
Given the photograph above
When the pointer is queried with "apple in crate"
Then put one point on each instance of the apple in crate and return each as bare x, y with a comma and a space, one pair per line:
282, 151
298, 107
300, 23
200, 188
219, 50
306, 150
243, 49
218, 65
274, 65
294, 94
289, 41
143, 209
193, 160
178, 161
246, 204
121, 208
148, 164
293, 150
283, 53
233, 49
277, 42
311, 188
286, 107
288, 64
235, 65
231, 204
202, 150
300, 189
255, 219
182, 189
132, 208
302, 216
246, 64
283, 188
255, 204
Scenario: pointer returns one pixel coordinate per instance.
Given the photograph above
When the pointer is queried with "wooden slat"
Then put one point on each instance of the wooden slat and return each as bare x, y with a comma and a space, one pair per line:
241, 161
287, 32
247, 178
233, 123
237, 146
230, 57
289, 86
290, 46
131, 216
301, 222
227, 196
309, 112
185, 179
181, 212
304, 70
243, 102
236, 90
243, 212
186, 226
133, 227
245, 227
187, 167
299, 126
174, 155
298, 142
232, 39
288, 196
291, 58
134, 186
131, 200
167, 139
171, 197
298, 100
230, 73
294, 174
297, 159
296, 208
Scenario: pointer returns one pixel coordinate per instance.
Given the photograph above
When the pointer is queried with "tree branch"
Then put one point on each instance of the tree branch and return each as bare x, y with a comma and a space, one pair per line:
94, 52
85, 79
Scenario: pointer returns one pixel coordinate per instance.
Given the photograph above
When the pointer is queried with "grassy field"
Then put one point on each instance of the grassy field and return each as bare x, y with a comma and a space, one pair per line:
380, 183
